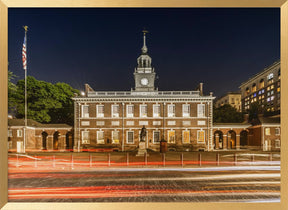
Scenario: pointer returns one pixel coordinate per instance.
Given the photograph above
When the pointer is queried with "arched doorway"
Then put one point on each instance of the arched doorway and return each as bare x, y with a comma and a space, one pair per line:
44, 140
243, 139
231, 144
56, 140
218, 140
69, 141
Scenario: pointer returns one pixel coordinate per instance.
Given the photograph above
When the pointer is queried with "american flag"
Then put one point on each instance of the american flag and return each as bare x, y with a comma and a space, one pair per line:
24, 58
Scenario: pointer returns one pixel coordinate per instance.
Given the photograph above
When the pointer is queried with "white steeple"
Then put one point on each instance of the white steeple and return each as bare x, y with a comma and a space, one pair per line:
144, 74
144, 48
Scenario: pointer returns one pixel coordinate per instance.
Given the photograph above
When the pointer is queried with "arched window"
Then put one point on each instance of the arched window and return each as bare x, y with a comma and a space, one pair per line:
261, 84
254, 88
247, 91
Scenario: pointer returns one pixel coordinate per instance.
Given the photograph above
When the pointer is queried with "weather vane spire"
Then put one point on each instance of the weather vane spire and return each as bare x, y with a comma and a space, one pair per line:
144, 48
25, 28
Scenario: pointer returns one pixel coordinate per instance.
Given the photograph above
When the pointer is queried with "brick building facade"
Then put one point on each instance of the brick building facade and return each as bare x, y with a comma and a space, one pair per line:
38, 136
182, 118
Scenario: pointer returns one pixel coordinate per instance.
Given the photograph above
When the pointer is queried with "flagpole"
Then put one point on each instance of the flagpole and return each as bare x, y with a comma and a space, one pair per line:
26, 29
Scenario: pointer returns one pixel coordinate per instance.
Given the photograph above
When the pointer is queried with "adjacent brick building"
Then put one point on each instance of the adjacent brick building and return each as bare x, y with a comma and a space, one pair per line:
38, 136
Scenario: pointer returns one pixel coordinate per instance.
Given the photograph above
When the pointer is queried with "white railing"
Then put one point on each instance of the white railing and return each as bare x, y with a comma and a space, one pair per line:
152, 93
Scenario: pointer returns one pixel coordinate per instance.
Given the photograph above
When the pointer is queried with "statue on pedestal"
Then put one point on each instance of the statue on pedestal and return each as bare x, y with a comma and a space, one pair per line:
143, 133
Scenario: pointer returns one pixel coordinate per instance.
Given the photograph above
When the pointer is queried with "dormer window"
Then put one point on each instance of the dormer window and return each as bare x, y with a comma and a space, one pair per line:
261, 84
247, 91
254, 88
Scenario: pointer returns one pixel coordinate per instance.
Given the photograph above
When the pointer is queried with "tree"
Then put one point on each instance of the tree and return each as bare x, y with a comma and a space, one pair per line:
46, 103
227, 114
11, 90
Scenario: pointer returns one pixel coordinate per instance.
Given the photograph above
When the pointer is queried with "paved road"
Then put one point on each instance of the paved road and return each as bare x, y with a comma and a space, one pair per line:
208, 184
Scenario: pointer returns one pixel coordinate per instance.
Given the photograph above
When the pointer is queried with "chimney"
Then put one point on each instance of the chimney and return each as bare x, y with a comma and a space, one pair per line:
88, 89
201, 88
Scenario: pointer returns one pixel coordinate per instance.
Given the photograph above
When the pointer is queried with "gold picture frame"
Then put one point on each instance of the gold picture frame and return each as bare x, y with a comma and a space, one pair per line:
5, 4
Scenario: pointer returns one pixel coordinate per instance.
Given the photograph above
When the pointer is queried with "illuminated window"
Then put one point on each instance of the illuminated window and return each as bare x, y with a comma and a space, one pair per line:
201, 110
115, 137
115, 110
130, 110
261, 84
143, 110
201, 136
272, 87
171, 137
270, 76
156, 110
186, 110
19, 133
247, 91
267, 131
85, 137
253, 87
278, 89
171, 110
100, 137
186, 137
85, 111
100, 110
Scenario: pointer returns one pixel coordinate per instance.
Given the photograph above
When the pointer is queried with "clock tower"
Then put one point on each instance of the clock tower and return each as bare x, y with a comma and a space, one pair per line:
144, 74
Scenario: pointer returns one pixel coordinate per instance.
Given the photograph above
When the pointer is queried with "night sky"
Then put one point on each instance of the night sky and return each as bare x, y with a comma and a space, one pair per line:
220, 47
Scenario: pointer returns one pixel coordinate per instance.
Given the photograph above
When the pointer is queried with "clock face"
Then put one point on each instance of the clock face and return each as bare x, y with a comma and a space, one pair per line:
144, 81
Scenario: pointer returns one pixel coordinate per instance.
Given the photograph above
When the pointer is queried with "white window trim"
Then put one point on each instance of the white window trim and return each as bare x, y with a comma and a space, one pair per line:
99, 141
185, 114
168, 108
84, 115
112, 112
127, 137
100, 115
10, 133
85, 141
278, 132
198, 109
198, 131
278, 141
154, 113
127, 114
159, 137
143, 114
168, 137
183, 137
19, 133
113, 140
269, 132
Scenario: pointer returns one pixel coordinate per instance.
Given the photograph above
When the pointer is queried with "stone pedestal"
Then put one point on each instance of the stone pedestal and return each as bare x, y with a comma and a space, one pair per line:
142, 149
